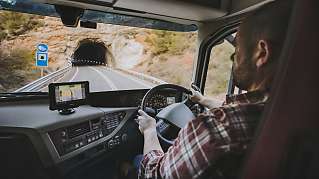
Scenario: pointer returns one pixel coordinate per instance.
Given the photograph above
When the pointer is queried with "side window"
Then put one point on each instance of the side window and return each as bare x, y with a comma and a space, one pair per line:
219, 70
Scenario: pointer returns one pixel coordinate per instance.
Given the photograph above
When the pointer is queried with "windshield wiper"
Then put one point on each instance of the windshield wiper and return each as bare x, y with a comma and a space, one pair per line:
24, 93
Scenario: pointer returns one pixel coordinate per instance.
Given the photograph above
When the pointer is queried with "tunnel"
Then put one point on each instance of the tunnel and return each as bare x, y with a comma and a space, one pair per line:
90, 52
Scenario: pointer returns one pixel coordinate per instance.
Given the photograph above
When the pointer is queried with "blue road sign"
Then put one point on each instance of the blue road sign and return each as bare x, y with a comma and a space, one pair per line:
42, 56
42, 59
42, 48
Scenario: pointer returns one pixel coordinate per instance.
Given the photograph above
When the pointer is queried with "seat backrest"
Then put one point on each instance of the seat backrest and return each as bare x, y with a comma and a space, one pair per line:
287, 145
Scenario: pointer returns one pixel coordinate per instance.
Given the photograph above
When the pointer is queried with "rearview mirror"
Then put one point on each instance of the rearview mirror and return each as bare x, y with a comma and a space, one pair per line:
70, 16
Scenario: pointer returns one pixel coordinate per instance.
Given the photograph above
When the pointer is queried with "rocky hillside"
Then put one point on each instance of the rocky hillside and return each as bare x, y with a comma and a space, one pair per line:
166, 55
62, 41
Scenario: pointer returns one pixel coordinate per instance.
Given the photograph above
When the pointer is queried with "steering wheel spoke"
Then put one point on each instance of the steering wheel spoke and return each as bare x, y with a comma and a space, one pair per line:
161, 126
150, 111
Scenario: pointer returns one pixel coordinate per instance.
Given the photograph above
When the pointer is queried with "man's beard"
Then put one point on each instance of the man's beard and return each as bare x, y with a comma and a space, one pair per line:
244, 74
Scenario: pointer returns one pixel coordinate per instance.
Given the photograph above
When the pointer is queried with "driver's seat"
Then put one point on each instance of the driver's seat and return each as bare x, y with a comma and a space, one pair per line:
288, 142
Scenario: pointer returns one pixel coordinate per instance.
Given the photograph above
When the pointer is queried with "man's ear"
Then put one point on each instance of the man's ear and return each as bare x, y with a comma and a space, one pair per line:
262, 53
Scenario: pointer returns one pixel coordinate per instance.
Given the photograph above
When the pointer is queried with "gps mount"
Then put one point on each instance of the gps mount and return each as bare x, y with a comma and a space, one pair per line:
66, 111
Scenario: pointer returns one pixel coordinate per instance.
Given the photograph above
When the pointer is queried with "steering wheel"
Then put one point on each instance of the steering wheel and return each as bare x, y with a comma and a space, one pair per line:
172, 117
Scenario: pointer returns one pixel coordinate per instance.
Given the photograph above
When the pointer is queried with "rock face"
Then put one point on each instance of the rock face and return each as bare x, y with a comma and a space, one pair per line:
164, 55
124, 50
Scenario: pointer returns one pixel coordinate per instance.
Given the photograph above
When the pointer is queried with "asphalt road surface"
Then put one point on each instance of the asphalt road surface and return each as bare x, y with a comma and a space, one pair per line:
104, 79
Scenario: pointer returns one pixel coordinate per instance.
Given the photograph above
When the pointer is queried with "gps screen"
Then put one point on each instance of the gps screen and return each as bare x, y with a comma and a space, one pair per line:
65, 93
68, 95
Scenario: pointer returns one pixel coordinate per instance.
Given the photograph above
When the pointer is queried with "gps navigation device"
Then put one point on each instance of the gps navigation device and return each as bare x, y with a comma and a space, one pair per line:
66, 96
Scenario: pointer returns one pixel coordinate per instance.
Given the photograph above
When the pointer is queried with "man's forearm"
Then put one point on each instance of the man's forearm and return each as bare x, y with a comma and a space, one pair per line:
151, 141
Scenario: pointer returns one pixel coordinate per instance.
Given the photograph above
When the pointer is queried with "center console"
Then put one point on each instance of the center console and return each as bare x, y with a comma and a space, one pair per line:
74, 137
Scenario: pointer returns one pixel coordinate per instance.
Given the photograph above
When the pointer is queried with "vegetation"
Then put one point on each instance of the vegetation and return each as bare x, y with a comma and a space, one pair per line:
16, 69
172, 55
14, 24
174, 43
172, 61
16, 65
219, 70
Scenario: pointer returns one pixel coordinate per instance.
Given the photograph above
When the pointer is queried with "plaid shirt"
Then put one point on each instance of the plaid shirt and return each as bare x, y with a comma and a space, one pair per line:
201, 147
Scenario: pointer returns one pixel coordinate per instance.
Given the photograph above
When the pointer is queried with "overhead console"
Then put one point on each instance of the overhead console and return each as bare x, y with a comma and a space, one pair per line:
173, 10
196, 10
70, 138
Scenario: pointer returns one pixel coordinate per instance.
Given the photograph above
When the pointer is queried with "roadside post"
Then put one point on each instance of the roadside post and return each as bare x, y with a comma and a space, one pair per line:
42, 57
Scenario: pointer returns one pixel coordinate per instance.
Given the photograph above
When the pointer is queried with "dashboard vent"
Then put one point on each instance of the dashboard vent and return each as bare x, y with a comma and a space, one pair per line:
78, 129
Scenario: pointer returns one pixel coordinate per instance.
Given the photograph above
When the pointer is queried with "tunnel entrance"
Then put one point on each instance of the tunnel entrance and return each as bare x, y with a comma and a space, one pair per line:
90, 52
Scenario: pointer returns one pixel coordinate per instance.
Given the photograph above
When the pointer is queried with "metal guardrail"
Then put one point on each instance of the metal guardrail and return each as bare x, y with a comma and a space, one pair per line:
143, 76
44, 81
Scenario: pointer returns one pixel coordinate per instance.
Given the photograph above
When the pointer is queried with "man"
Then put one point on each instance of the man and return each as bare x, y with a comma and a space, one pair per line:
214, 144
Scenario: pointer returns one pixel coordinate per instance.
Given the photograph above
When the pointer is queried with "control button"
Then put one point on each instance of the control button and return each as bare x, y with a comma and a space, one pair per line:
63, 140
77, 146
89, 140
63, 134
124, 137
93, 138
81, 143
101, 134
110, 144
122, 115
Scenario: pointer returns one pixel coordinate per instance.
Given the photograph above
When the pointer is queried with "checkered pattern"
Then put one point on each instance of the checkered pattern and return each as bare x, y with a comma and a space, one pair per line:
206, 139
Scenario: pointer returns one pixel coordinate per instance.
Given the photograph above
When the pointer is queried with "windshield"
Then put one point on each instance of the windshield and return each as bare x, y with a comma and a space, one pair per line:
36, 50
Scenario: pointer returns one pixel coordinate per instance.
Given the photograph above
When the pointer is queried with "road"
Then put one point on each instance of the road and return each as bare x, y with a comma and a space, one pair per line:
104, 79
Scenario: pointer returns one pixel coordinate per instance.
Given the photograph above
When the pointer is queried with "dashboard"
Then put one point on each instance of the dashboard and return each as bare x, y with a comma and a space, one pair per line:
133, 98
71, 138
101, 127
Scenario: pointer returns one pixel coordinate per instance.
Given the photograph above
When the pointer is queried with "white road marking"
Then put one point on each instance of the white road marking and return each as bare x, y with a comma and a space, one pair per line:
76, 73
131, 78
108, 81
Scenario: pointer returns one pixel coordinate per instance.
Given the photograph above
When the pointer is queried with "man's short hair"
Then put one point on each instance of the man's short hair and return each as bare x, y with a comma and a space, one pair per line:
269, 23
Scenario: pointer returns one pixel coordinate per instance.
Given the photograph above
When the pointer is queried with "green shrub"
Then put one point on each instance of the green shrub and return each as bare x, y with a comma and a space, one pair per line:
14, 24
173, 43
16, 69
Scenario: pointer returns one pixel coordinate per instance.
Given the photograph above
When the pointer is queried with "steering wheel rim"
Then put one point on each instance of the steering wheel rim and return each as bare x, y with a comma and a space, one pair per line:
150, 93
160, 87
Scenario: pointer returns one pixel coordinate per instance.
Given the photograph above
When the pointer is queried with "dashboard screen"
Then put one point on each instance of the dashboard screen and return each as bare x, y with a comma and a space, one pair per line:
170, 100
71, 92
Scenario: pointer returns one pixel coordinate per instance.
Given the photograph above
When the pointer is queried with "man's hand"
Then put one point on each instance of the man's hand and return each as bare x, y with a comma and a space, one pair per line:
146, 123
197, 97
